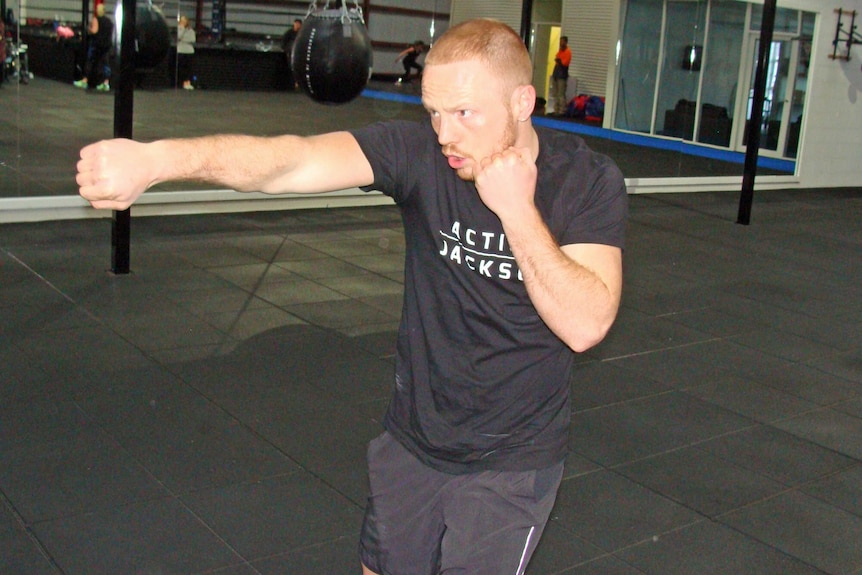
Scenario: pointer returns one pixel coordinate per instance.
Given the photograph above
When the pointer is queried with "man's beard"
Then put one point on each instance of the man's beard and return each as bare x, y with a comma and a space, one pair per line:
507, 140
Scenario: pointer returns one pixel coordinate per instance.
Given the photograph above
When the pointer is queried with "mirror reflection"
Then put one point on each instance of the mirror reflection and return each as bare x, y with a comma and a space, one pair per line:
687, 71
684, 74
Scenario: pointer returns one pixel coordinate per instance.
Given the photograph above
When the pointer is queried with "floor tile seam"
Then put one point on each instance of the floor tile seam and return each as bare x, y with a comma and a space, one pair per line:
278, 449
636, 354
800, 361
771, 422
309, 319
725, 334
816, 480
28, 532
791, 485
261, 305
767, 383
212, 530
817, 442
101, 323
853, 350
249, 562
168, 494
628, 401
605, 554
615, 553
722, 519
784, 486
45, 281
338, 233
367, 272
699, 445
719, 518
729, 249
252, 291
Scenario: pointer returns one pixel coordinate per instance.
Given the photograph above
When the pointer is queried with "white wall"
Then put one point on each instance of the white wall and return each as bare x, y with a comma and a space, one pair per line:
508, 11
590, 27
832, 125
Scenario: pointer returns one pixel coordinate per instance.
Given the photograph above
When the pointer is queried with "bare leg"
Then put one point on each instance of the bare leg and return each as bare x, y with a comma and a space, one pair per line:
367, 571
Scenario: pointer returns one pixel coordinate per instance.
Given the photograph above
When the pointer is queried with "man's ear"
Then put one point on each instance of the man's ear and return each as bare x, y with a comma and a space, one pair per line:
524, 101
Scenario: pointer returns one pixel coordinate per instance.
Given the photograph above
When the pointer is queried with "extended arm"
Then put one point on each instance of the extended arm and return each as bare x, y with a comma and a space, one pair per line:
575, 288
403, 53
112, 174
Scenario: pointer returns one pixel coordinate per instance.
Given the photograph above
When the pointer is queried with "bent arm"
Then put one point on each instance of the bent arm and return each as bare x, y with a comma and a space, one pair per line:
575, 288
112, 174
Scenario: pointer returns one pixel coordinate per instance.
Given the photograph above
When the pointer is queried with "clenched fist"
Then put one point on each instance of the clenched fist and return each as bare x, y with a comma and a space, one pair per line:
506, 181
112, 174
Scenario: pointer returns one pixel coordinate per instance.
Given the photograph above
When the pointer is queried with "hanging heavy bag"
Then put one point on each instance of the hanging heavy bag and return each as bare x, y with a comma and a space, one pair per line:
152, 36
332, 56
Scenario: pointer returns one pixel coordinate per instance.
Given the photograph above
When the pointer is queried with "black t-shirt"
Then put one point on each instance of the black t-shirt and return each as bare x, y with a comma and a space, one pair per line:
481, 381
104, 37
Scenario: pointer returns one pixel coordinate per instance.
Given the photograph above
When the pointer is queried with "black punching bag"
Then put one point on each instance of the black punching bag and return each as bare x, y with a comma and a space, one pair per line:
152, 36
331, 57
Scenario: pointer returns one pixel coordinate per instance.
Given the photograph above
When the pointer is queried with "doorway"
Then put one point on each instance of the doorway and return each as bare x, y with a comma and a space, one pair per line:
545, 41
784, 96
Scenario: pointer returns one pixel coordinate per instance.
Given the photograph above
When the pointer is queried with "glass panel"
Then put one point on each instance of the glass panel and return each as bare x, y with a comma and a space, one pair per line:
638, 65
13, 163
721, 70
800, 85
774, 95
676, 112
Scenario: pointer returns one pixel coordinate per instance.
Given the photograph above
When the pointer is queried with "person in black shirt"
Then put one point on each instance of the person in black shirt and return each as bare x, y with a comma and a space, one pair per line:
97, 70
408, 58
513, 265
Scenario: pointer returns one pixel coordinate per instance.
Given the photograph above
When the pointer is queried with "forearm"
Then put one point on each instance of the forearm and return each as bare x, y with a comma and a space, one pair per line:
572, 299
242, 163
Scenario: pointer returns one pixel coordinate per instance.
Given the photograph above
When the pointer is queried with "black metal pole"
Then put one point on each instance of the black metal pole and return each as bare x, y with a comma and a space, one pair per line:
124, 102
526, 21
85, 21
752, 148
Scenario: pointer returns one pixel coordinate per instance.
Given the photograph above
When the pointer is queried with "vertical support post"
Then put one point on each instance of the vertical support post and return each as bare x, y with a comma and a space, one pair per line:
85, 23
124, 94
526, 21
752, 148
199, 15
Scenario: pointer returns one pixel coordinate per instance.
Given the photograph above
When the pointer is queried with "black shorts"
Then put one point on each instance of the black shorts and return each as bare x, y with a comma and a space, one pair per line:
420, 521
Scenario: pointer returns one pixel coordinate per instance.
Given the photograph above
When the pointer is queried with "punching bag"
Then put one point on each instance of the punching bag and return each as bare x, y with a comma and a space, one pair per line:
332, 56
152, 36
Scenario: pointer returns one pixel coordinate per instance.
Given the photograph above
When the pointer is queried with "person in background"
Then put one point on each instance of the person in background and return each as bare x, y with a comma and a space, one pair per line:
290, 37
186, 39
560, 76
287, 45
97, 70
409, 57
513, 265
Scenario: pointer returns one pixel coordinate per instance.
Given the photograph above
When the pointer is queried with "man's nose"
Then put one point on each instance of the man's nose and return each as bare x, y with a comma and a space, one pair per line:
445, 131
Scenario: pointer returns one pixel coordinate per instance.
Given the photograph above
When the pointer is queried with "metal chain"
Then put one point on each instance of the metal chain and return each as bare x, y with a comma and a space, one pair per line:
345, 14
